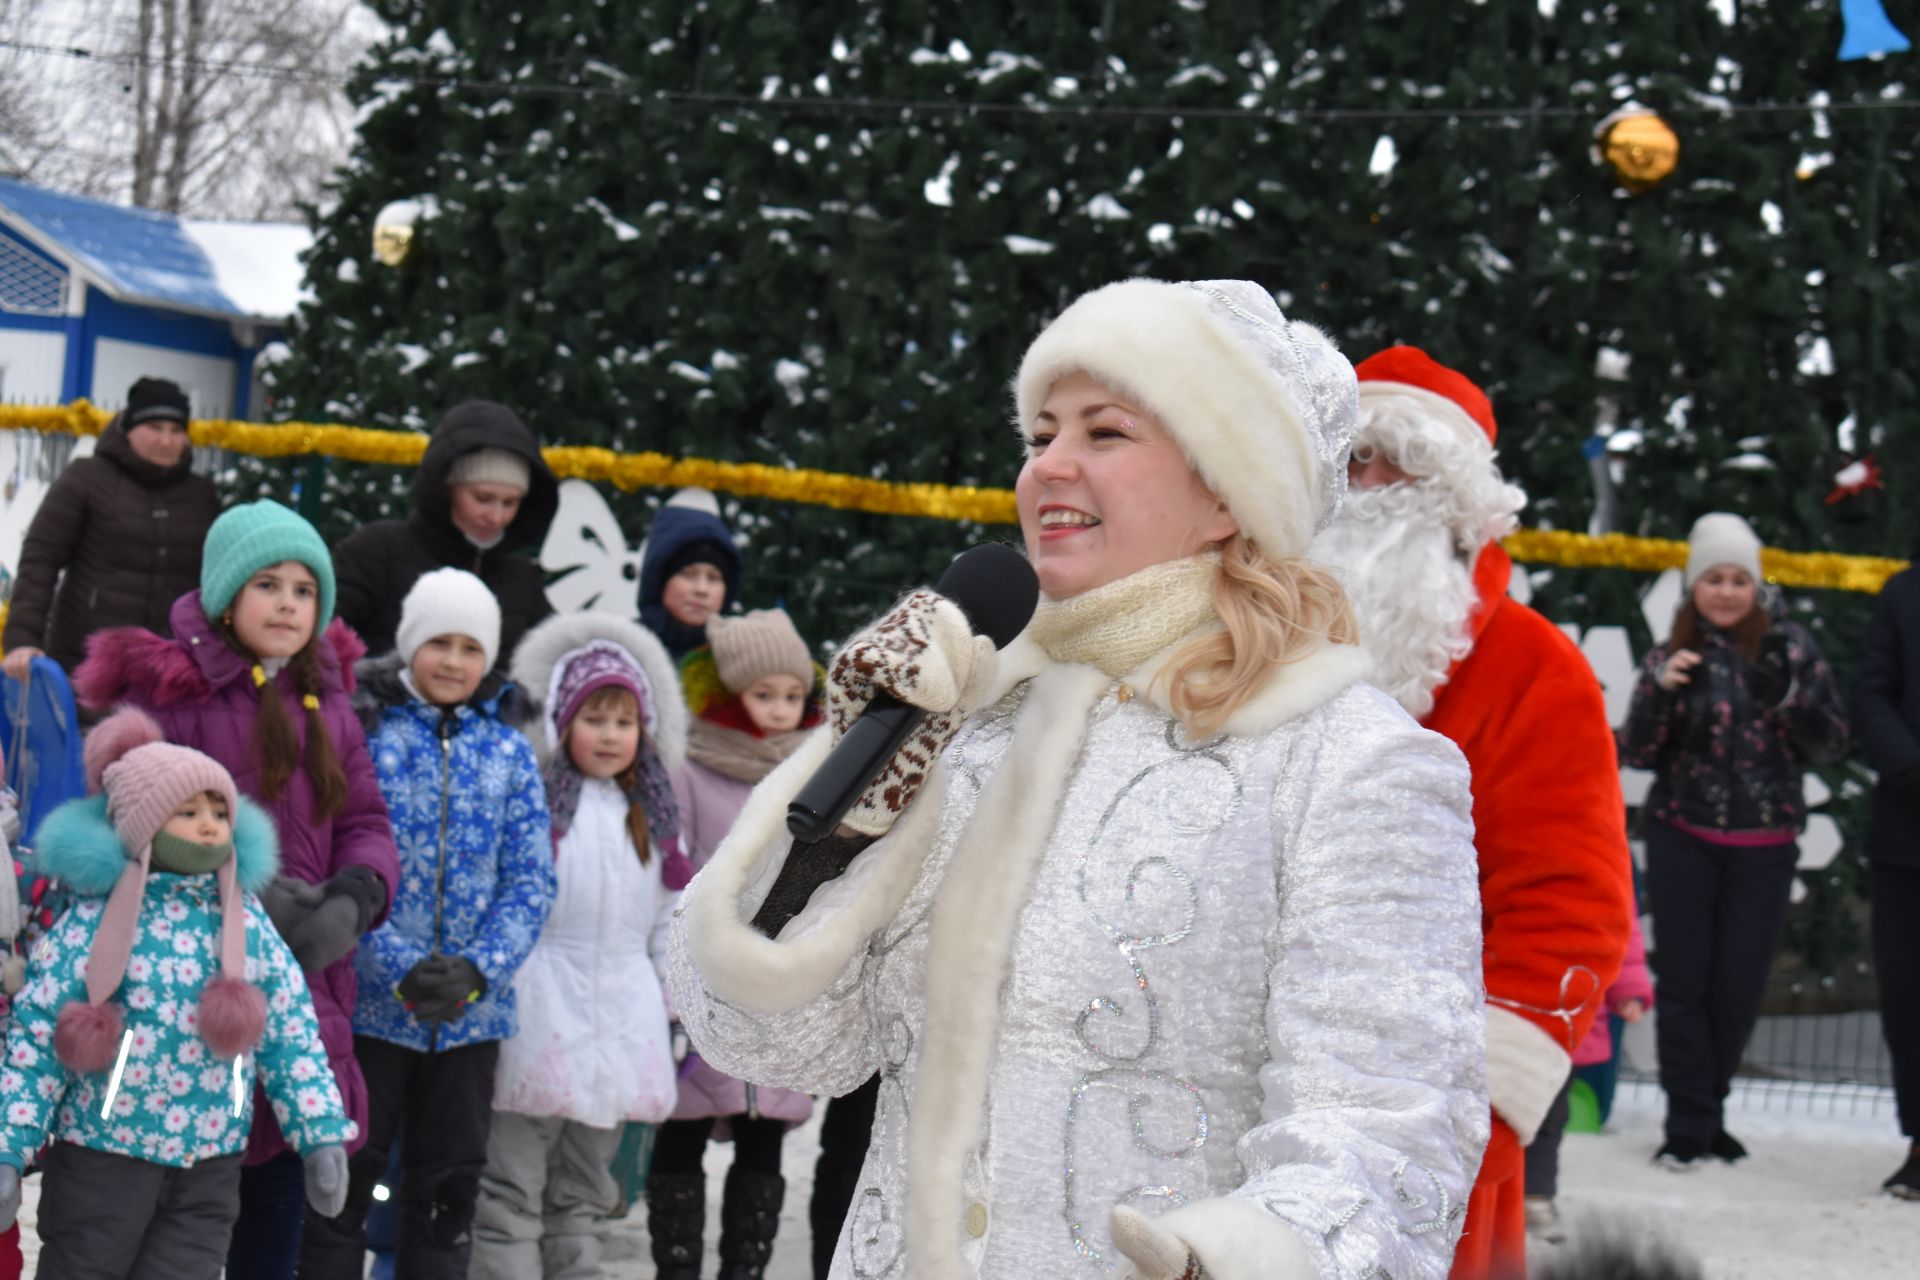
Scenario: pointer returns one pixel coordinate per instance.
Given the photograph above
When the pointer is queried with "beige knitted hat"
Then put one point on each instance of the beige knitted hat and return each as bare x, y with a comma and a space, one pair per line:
756, 645
491, 466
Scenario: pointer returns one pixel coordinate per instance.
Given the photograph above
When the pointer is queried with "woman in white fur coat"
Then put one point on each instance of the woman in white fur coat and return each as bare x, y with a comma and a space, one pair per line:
1167, 950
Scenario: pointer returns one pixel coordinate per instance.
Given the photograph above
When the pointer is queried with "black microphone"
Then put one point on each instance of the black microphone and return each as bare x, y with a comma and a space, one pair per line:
997, 590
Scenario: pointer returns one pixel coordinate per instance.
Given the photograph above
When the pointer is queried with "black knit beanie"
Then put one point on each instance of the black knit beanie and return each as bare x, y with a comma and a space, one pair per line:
702, 551
155, 399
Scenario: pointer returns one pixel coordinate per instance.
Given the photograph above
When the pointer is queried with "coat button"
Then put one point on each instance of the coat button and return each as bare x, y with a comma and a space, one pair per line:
976, 1219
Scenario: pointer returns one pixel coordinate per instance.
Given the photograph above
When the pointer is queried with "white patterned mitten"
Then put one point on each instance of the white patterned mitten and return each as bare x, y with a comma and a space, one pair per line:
923, 653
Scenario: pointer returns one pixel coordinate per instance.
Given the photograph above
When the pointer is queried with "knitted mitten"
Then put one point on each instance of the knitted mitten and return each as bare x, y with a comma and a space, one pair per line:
924, 654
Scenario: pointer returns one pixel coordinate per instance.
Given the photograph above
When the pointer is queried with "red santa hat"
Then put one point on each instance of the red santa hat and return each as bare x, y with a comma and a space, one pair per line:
1448, 393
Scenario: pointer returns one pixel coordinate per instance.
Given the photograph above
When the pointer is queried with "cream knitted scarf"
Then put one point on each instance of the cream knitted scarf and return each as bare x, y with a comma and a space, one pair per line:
1119, 626
738, 754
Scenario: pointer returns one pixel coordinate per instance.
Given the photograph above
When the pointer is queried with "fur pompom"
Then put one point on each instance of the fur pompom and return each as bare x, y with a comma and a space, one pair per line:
256, 847
113, 737
87, 1036
78, 845
233, 1013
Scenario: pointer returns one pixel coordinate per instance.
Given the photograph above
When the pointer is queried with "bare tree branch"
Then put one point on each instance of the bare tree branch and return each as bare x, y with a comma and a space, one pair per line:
171, 110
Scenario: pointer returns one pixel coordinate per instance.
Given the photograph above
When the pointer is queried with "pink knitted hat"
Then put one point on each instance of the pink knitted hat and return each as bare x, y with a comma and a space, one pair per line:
146, 778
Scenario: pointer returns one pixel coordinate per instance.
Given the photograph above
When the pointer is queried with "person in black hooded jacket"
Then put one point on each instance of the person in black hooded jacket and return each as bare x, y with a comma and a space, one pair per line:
1886, 720
119, 533
482, 500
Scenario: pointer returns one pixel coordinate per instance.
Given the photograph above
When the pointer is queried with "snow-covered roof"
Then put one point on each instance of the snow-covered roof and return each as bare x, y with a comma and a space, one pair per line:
234, 270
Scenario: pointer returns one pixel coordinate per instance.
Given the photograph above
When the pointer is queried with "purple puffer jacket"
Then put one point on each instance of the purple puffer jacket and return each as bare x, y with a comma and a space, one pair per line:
201, 693
709, 803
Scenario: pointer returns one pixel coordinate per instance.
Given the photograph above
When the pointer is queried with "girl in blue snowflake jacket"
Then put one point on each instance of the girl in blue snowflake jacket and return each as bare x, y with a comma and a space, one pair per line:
151, 1007
469, 813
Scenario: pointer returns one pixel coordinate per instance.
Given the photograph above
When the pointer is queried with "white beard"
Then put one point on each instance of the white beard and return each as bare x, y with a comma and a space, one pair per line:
1412, 592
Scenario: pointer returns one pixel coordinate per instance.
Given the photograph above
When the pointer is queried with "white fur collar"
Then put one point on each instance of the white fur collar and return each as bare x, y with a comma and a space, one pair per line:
970, 939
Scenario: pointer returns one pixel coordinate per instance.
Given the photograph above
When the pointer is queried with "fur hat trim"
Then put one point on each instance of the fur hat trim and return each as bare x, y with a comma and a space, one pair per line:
1263, 407
1412, 367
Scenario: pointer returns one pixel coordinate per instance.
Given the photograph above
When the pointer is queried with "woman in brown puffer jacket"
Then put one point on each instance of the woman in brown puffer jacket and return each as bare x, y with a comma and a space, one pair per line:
119, 533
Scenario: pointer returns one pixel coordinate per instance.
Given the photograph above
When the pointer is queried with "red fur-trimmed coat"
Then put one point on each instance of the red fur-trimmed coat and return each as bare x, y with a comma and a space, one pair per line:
1556, 880
202, 694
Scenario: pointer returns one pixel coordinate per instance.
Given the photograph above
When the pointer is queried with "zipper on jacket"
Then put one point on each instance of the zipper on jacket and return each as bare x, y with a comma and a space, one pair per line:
440, 872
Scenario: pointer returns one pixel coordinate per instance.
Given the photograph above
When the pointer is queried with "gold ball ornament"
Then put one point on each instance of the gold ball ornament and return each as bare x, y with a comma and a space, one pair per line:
1642, 148
393, 231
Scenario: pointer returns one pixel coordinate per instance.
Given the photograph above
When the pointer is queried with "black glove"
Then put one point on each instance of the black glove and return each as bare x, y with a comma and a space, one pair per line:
440, 988
1903, 782
1770, 674
322, 923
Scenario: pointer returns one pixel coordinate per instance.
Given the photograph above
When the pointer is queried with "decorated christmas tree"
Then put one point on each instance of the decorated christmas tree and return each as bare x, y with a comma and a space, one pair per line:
820, 236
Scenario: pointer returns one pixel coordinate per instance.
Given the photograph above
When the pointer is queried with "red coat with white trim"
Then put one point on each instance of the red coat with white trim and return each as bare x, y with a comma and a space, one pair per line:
1556, 880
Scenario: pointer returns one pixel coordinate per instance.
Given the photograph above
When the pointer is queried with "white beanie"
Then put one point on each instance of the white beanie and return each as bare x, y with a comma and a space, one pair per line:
448, 602
1263, 406
1720, 538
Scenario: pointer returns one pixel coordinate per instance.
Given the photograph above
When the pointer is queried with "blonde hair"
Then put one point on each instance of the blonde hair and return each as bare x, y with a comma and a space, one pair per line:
1274, 612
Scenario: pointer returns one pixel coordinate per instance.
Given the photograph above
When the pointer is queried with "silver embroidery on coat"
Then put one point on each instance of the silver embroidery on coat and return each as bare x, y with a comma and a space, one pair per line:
1149, 903
874, 1240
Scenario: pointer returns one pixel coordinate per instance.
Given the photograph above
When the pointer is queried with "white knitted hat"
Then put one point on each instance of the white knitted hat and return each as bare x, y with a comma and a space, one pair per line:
1263, 406
1720, 538
448, 602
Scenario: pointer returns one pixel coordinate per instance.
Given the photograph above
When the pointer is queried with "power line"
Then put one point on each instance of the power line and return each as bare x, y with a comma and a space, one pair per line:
1497, 116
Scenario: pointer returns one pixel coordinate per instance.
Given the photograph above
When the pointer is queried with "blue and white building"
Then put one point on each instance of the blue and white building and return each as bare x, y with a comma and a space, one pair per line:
96, 295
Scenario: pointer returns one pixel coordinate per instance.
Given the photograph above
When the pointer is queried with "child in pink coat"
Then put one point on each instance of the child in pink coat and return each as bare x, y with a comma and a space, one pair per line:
752, 692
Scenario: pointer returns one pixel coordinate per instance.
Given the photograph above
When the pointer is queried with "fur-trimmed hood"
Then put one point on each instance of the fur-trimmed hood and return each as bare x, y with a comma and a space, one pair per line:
132, 664
544, 647
77, 846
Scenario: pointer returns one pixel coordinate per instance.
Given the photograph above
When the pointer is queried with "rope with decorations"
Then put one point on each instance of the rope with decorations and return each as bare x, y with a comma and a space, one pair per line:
630, 471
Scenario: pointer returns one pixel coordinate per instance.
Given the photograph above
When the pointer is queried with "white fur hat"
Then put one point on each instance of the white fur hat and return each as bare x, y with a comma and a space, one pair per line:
448, 602
1721, 538
1263, 406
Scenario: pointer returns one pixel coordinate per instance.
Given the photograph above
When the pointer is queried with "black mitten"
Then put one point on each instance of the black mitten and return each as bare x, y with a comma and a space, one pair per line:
440, 988
1769, 676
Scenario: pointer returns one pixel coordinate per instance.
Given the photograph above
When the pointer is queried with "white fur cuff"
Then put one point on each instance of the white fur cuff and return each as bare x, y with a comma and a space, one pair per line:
1238, 1240
1525, 1070
768, 975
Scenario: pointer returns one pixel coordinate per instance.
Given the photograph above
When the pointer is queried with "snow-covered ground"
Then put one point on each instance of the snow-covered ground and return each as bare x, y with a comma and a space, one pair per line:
1805, 1206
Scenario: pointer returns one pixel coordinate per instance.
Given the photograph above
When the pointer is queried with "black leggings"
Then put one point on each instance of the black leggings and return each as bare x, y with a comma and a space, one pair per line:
680, 1145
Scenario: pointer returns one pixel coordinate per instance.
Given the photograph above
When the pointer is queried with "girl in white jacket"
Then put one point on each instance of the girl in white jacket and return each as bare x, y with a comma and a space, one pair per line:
593, 1049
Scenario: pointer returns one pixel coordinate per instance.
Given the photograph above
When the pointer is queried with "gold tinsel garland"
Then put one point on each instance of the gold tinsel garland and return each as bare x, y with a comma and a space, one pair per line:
629, 471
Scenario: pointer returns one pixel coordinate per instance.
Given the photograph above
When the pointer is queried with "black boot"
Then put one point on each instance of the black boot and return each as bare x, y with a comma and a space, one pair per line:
749, 1220
676, 1220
